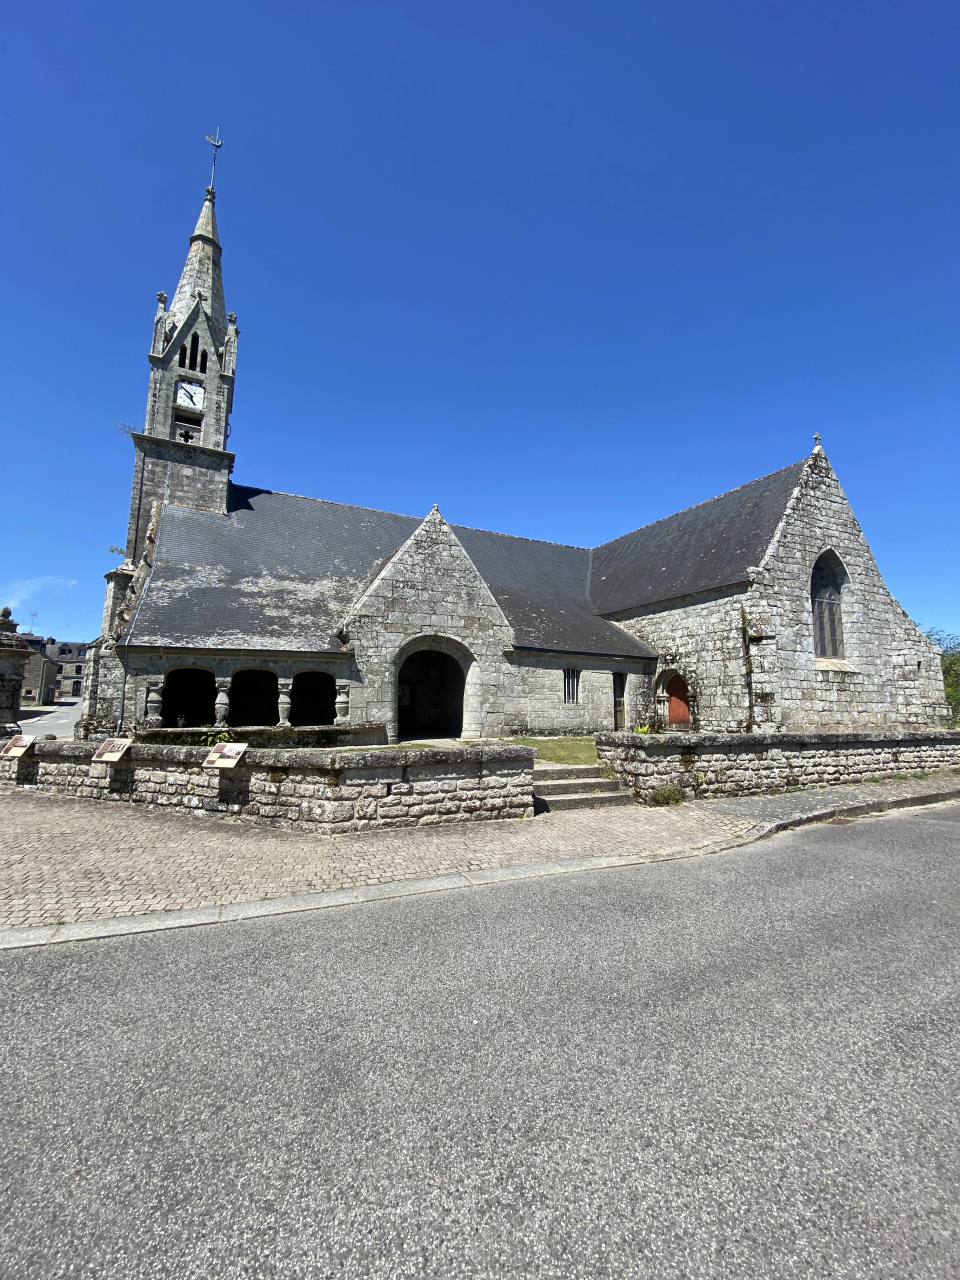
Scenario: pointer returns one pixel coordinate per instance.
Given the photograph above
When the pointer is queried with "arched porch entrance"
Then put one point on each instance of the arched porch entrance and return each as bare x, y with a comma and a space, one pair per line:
430, 696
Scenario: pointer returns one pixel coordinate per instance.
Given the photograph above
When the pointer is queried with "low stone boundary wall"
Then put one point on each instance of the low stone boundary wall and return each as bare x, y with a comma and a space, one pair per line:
272, 737
326, 791
708, 764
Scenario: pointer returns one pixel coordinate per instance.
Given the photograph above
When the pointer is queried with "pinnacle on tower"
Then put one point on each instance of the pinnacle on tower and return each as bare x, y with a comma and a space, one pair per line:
202, 275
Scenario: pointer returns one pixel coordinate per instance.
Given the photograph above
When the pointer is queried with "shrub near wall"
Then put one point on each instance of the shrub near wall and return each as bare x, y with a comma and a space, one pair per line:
326, 791
755, 763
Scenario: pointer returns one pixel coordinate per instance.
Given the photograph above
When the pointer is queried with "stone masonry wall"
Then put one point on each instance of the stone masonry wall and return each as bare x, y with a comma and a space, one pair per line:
324, 791
536, 705
890, 677
430, 595
755, 763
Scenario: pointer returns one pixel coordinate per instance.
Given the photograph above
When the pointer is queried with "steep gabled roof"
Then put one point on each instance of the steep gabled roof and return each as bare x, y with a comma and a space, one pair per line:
703, 548
280, 572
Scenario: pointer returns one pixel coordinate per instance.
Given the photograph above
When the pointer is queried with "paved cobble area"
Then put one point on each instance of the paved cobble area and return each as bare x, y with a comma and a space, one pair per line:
65, 860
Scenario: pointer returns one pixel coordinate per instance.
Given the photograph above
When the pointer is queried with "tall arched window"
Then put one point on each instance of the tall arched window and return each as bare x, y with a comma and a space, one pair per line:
826, 587
194, 349
203, 360
183, 357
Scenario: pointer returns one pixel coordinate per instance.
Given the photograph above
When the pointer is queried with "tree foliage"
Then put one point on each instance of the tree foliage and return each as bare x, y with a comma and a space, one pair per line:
950, 661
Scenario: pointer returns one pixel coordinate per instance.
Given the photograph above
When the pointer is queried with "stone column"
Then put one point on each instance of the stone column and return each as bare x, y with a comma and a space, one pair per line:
283, 700
222, 704
342, 703
14, 653
154, 707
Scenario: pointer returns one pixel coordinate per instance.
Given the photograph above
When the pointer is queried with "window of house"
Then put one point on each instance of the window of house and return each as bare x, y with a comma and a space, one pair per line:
60, 669
82, 651
826, 585
571, 684
78, 671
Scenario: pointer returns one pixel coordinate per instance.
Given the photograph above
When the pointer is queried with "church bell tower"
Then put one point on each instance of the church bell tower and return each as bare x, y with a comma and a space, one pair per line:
182, 456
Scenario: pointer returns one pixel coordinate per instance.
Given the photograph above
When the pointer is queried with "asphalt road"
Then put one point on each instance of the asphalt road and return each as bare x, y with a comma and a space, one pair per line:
60, 719
738, 1066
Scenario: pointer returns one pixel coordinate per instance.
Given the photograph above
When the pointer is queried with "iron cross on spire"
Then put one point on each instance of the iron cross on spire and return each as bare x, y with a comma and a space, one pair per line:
216, 143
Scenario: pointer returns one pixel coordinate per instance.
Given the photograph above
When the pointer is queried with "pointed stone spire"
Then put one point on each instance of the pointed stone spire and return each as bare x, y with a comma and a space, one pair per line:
201, 274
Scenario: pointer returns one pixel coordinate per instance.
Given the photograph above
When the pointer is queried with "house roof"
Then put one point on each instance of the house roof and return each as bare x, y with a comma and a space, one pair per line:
703, 548
281, 572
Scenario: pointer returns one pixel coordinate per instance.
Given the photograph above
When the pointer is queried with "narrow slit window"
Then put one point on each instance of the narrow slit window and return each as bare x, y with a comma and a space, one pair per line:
183, 357
571, 684
194, 350
203, 361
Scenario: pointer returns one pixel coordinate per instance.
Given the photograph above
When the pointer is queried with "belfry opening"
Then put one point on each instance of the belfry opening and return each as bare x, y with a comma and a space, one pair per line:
430, 696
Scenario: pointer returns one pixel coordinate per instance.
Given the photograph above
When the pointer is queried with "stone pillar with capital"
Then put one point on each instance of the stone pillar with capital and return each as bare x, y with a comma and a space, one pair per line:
283, 700
222, 704
154, 707
342, 703
14, 652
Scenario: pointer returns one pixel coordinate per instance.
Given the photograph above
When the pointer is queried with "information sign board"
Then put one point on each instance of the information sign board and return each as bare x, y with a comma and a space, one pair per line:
225, 755
19, 746
109, 752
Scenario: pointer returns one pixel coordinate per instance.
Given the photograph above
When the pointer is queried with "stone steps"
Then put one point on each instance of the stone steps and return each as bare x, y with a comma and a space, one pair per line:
575, 786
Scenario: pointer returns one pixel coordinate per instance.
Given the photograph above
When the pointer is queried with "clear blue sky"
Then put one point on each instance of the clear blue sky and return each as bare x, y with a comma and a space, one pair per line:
562, 268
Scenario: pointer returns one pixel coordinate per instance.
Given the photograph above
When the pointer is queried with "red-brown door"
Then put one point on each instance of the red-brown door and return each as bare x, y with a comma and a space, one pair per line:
679, 701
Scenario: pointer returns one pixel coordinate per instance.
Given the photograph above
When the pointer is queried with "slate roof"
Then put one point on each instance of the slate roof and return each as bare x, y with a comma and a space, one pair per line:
280, 572
702, 548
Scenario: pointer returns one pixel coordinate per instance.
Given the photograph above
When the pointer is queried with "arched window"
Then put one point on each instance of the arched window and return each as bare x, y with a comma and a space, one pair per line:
203, 360
254, 698
313, 698
189, 694
826, 587
183, 357
194, 350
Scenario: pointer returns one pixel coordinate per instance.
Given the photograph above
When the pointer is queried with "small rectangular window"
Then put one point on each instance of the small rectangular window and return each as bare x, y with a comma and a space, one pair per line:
77, 686
571, 684
78, 670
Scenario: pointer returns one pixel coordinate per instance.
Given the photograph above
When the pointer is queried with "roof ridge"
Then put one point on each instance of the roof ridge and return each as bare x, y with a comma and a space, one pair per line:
518, 537
706, 501
330, 502
355, 506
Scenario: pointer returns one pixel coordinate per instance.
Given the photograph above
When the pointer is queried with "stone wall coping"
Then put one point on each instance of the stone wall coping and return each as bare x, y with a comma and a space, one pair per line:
752, 742
334, 758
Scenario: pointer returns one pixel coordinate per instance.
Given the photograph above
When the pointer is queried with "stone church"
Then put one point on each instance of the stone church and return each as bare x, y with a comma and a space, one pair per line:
759, 609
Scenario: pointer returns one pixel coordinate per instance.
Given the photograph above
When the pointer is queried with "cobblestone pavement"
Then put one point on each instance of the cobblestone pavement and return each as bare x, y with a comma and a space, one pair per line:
65, 860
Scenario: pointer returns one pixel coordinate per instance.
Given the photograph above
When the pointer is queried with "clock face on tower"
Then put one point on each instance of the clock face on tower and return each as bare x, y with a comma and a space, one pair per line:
190, 395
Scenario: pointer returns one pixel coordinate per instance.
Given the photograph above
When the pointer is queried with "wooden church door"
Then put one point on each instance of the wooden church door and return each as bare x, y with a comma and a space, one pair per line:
679, 712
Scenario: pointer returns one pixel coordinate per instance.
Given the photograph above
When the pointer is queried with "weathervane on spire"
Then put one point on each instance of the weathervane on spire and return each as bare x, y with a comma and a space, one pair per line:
216, 144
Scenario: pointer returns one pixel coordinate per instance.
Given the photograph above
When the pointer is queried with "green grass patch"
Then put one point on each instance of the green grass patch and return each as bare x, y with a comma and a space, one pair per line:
562, 750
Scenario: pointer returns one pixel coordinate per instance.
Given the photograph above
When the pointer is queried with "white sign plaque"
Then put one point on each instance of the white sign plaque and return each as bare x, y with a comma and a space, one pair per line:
225, 755
111, 750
